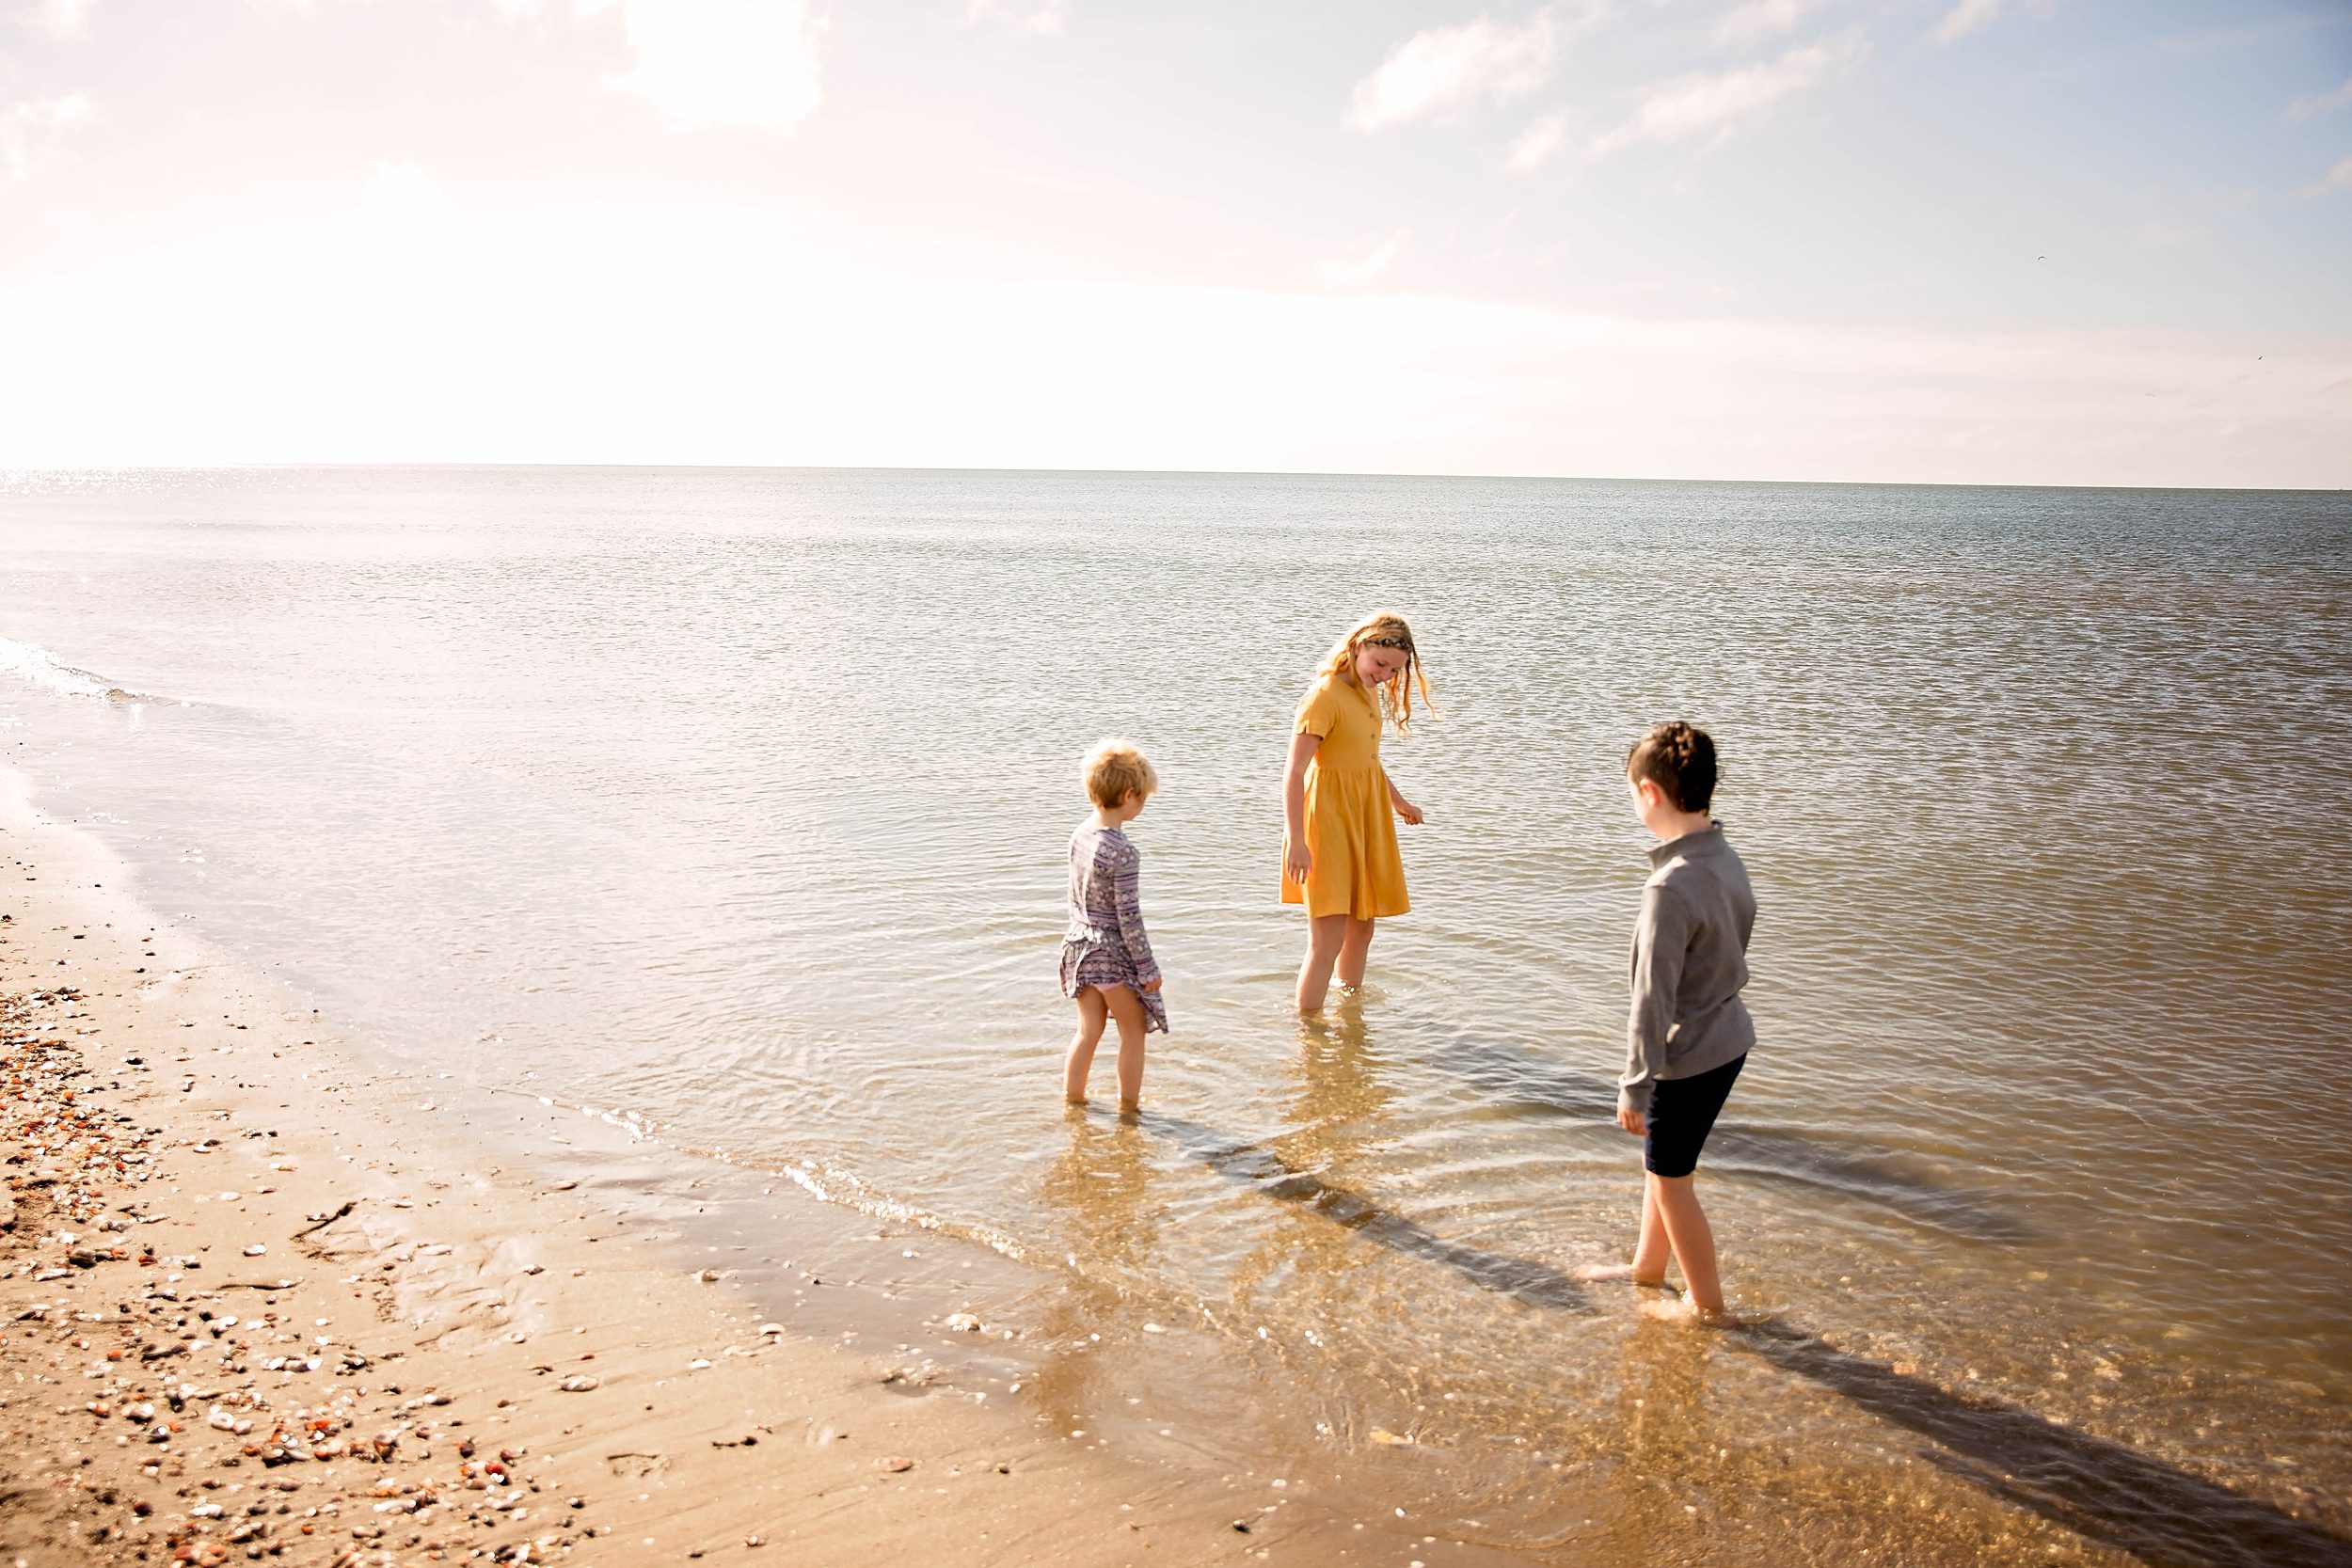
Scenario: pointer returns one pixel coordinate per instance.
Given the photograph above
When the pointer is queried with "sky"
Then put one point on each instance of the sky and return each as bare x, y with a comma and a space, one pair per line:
2064, 241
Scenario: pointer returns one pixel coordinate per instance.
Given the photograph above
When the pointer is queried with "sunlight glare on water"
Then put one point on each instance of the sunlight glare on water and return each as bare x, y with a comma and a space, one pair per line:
737, 800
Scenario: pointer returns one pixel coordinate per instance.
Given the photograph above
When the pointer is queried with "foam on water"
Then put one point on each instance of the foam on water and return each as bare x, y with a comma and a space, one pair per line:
40, 668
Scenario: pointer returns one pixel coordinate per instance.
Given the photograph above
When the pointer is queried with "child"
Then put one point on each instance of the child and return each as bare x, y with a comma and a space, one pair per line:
1689, 1033
1107, 964
1339, 808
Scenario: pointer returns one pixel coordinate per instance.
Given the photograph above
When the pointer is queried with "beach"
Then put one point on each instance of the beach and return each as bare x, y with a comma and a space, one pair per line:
562, 565
639, 830
258, 1306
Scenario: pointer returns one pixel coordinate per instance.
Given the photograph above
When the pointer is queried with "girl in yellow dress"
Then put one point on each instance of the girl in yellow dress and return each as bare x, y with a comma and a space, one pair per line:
1340, 810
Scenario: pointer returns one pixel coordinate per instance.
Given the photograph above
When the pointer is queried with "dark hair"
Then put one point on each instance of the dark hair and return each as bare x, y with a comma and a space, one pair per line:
1679, 759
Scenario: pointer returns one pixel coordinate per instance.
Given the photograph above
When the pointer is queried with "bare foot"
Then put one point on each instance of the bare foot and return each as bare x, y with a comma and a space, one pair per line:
1614, 1274
1681, 1309
1130, 1109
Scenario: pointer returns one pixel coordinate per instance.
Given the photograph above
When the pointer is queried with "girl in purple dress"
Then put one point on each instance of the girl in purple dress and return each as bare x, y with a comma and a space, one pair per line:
1107, 963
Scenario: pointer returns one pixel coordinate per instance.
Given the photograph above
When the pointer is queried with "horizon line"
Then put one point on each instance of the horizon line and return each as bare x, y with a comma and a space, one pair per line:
11, 470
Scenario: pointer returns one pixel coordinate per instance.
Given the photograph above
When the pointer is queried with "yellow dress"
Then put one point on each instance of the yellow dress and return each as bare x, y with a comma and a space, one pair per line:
1351, 826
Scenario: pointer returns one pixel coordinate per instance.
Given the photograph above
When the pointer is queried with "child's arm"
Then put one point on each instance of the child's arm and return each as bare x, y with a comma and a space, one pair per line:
1662, 938
1296, 859
1128, 889
1405, 808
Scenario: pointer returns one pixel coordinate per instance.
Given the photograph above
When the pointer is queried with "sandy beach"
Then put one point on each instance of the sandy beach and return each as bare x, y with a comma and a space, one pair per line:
260, 1305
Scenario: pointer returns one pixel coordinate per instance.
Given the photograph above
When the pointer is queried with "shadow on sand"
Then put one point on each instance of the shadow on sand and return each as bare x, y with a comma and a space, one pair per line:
2101, 1490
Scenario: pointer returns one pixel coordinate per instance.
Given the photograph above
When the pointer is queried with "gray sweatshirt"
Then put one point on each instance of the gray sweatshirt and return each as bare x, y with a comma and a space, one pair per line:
1690, 960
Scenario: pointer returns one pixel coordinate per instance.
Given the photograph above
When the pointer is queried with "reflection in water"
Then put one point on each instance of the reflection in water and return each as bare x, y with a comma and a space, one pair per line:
1335, 1123
1100, 1189
1101, 1186
1342, 1102
1333, 1115
1663, 1426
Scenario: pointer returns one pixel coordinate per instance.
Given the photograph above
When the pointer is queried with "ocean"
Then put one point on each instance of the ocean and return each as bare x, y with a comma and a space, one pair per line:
731, 806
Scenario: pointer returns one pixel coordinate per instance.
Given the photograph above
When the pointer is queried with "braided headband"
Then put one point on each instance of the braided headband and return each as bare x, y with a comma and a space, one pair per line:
1403, 644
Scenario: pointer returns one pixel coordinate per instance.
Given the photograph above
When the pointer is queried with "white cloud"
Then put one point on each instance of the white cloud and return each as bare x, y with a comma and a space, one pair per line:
1756, 20
32, 135
63, 19
1966, 18
1363, 263
1705, 103
2320, 103
1037, 16
710, 63
1540, 142
1446, 69
2340, 178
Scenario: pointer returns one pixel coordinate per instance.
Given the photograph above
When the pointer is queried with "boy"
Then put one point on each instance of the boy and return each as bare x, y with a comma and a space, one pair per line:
1689, 1033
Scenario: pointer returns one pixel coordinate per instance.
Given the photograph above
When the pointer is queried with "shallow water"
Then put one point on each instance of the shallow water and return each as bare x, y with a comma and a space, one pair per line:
735, 802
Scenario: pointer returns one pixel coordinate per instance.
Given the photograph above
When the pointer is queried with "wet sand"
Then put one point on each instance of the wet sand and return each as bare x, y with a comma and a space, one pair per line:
262, 1301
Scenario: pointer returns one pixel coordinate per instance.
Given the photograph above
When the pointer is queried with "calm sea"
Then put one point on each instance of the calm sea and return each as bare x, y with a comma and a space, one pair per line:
735, 802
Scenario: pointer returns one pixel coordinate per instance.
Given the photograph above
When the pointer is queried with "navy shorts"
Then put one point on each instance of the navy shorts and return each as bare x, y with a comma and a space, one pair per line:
1682, 1112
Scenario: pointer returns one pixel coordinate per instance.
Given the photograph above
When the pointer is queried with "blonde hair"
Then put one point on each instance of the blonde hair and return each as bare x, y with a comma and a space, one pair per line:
1114, 768
1385, 629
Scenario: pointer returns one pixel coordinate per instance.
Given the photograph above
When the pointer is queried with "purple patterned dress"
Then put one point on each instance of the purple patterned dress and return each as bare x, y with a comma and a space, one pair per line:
1105, 946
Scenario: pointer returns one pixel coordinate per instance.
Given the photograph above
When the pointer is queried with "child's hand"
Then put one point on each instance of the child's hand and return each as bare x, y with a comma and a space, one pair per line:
1408, 810
1153, 984
1298, 862
1632, 1121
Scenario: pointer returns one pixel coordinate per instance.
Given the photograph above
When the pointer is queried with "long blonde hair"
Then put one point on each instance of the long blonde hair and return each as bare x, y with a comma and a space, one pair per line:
1384, 629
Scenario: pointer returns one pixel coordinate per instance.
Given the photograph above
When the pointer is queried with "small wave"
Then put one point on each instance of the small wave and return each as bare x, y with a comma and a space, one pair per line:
820, 1179
829, 1184
41, 668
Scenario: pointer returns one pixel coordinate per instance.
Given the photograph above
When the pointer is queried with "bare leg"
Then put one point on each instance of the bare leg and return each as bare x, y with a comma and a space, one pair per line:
1693, 1240
1650, 1254
1326, 934
1127, 1011
1353, 948
1093, 1011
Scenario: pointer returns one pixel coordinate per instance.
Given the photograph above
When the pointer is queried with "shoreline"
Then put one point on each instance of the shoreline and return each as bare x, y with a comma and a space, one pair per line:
262, 1301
